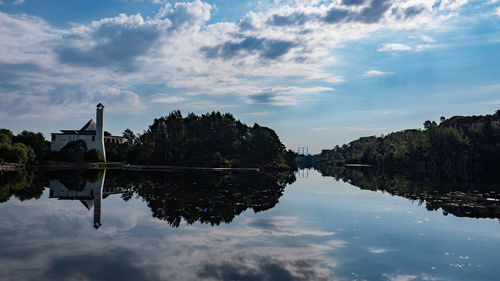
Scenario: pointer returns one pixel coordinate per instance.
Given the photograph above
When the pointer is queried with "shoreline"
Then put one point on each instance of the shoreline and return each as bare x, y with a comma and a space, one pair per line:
53, 166
178, 168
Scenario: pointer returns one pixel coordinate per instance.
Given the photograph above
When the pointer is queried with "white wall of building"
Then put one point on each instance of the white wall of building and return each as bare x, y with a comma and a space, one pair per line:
60, 140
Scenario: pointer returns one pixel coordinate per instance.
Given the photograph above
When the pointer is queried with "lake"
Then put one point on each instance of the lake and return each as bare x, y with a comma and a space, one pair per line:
346, 225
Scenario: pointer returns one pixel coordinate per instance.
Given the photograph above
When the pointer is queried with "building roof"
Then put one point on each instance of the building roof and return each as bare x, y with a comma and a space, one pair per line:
88, 129
89, 126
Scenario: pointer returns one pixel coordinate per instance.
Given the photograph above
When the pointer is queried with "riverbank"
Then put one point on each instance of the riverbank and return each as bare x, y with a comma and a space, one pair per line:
177, 168
56, 165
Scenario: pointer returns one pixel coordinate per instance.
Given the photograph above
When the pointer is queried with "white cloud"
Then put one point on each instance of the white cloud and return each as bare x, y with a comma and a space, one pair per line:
282, 96
452, 4
377, 73
394, 47
498, 11
18, 2
321, 128
165, 98
249, 60
427, 39
423, 47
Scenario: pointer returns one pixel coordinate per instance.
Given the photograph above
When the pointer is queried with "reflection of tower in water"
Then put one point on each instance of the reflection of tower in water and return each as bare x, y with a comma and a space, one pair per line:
91, 195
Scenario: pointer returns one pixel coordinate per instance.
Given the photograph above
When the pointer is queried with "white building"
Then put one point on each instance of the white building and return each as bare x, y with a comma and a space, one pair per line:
92, 133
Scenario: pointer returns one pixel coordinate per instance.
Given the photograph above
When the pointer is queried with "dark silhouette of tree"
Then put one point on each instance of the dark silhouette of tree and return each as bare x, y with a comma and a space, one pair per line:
210, 140
36, 141
459, 146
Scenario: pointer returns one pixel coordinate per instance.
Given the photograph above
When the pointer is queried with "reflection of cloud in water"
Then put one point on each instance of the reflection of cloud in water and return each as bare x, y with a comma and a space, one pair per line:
57, 242
257, 251
378, 250
116, 264
264, 269
400, 277
410, 277
279, 225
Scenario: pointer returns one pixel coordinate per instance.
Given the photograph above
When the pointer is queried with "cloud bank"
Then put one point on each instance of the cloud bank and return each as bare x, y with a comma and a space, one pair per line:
279, 56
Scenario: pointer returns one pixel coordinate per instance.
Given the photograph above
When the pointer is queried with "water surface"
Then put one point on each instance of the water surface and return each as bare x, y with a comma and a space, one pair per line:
112, 225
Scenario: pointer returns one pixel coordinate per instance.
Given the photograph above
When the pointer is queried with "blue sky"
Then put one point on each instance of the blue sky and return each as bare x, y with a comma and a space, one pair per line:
320, 73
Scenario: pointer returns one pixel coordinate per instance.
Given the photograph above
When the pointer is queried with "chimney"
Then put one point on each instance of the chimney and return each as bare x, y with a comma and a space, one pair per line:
99, 132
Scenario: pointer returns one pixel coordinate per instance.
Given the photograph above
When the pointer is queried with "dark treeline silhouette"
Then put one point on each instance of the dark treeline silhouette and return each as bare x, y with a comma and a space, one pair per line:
210, 140
457, 147
478, 197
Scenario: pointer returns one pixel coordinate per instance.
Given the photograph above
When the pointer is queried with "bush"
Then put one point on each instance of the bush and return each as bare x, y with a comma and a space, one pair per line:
37, 141
6, 136
94, 155
72, 152
16, 153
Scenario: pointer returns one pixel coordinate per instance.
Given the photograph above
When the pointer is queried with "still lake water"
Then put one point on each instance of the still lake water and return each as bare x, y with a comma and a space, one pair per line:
236, 226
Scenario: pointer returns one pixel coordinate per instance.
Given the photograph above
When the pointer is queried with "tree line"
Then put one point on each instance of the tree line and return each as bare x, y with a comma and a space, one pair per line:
459, 145
210, 140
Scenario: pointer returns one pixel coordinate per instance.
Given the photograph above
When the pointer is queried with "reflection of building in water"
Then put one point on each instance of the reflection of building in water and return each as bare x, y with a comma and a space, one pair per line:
91, 195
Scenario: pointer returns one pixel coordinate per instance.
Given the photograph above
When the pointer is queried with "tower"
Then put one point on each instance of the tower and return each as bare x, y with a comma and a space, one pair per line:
99, 132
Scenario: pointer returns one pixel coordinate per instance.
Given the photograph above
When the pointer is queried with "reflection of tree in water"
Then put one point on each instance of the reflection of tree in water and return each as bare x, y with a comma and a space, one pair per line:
30, 184
479, 198
75, 179
20, 184
207, 197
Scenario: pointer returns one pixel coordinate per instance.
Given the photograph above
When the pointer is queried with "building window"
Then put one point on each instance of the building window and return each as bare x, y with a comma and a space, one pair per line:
93, 138
53, 137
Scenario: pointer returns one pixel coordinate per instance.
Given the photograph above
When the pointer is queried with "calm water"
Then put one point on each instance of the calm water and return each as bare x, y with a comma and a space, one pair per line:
241, 226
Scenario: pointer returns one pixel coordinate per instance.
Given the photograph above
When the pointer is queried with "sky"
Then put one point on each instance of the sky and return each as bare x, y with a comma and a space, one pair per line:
320, 73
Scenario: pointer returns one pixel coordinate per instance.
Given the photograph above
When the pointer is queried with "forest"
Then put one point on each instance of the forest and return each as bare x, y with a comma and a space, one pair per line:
457, 146
210, 140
